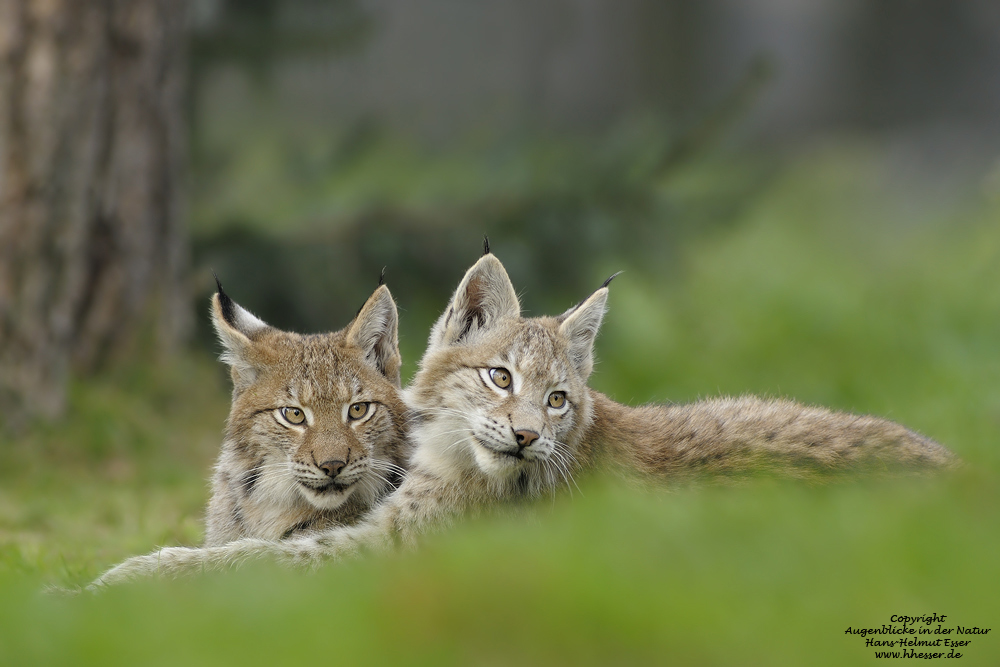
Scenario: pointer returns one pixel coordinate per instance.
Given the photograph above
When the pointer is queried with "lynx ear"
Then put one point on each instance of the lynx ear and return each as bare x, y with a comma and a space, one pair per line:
237, 328
375, 331
484, 296
580, 325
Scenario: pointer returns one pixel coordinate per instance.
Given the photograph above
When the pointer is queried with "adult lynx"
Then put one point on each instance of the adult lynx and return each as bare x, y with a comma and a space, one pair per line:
500, 410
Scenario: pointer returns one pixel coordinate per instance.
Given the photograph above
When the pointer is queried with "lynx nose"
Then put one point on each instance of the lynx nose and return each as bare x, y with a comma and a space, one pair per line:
332, 468
525, 438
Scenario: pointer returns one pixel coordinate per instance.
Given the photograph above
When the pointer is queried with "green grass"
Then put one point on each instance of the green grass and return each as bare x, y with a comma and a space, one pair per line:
822, 290
763, 574
128, 469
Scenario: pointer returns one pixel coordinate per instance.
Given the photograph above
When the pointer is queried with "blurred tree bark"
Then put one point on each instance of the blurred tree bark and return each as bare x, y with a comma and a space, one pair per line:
92, 247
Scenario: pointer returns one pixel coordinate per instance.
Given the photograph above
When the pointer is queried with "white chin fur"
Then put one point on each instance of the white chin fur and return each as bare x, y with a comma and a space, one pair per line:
496, 465
328, 500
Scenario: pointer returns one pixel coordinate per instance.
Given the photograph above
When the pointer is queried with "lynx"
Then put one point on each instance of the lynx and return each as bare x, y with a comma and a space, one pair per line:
500, 410
316, 433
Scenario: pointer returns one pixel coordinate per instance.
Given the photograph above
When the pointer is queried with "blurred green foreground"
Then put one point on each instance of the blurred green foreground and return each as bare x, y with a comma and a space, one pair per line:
823, 289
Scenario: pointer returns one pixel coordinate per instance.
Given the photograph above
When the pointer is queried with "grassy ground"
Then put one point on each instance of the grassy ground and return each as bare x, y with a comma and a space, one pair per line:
825, 290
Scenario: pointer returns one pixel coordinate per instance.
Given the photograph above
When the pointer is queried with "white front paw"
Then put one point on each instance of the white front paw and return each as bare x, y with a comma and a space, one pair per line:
169, 561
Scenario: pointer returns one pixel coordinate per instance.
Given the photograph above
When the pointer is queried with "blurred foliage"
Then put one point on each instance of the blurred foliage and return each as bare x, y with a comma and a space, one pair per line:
299, 225
254, 34
822, 286
298, 218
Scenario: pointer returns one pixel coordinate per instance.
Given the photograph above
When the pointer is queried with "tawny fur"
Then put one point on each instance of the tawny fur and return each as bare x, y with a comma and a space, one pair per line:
268, 481
464, 428
751, 434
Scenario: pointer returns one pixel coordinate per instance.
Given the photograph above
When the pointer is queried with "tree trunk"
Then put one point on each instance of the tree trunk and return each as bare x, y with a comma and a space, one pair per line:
92, 247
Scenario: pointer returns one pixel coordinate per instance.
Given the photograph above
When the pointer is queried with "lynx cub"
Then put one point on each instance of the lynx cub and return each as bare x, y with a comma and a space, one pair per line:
316, 433
500, 409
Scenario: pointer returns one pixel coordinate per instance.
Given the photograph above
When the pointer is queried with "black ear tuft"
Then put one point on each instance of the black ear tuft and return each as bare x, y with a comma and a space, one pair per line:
486, 244
613, 276
603, 286
381, 277
227, 304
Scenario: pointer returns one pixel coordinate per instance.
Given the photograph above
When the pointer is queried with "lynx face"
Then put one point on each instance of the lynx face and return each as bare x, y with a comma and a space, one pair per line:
520, 418
317, 424
502, 397
316, 434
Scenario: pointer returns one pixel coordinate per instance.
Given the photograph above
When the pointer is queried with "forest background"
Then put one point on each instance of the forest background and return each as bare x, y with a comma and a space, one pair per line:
804, 197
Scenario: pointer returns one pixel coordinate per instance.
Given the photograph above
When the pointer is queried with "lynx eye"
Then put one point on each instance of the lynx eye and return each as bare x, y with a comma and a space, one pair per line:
357, 410
293, 415
557, 399
500, 377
